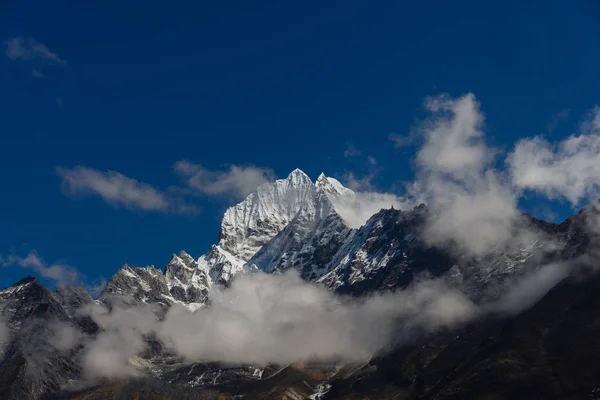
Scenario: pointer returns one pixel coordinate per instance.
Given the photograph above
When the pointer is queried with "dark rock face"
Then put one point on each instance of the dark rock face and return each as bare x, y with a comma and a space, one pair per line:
32, 365
548, 352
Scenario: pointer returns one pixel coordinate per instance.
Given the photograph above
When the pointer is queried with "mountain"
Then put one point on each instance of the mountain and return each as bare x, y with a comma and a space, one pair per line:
33, 360
247, 226
295, 224
289, 223
550, 351
182, 282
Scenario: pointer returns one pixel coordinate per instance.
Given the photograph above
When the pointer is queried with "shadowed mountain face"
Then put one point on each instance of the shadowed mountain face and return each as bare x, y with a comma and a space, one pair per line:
548, 351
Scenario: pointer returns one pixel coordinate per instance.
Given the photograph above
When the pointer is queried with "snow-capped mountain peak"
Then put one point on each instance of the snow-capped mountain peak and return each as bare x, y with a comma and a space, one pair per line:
248, 225
294, 204
332, 187
298, 178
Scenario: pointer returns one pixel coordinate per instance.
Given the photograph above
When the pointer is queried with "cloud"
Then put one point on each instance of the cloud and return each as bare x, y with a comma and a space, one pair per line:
96, 287
352, 151
19, 48
526, 291
264, 318
61, 274
116, 189
403, 140
281, 319
37, 73
474, 207
108, 354
453, 136
357, 184
356, 209
557, 118
64, 337
238, 181
569, 169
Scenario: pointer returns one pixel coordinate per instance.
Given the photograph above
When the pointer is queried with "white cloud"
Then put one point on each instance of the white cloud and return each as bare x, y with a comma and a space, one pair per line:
114, 188
567, 170
281, 318
238, 181
265, 318
60, 273
475, 208
108, 354
453, 136
353, 182
356, 209
20, 48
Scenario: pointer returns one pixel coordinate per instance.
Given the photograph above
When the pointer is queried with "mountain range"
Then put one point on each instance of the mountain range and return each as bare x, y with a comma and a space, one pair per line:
294, 225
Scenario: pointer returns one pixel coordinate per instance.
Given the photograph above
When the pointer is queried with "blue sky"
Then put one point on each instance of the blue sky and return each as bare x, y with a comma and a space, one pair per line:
137, 86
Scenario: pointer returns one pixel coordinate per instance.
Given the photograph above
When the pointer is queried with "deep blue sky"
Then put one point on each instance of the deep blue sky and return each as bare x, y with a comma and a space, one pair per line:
148, 83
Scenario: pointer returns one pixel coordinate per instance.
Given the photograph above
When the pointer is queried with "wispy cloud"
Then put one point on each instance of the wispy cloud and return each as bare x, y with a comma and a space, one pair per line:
351, 151
19, 48
557, 119
364, 183
403, 140
37, 73
119, 190
61, 274
238, 181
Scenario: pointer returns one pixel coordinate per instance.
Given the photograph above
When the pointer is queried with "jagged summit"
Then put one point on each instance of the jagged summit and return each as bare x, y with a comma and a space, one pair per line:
298, 177
182, 282
250, 224
332, 187
25, 280
255, 222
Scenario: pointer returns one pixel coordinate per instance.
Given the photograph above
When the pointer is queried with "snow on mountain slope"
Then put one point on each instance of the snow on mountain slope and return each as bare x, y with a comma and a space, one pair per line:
250, 224
309, 241
183, 282
275, 227
389, 252
332, 187
247, 226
